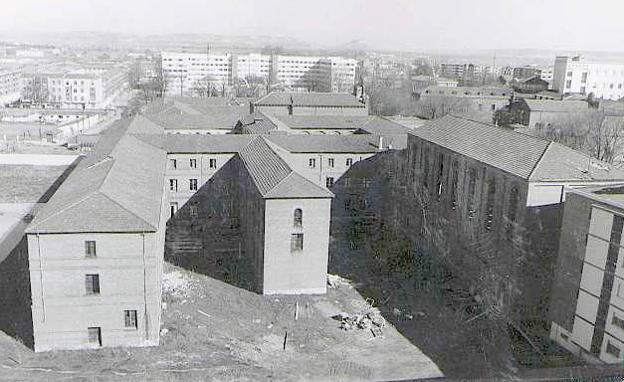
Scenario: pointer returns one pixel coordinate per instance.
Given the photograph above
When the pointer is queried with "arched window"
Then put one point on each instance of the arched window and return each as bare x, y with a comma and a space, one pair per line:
298, 217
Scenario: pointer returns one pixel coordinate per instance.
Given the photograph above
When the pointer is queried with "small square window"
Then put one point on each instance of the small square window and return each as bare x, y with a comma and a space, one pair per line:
329, 182
330, 162
173, 163
193, 210
213, 163
90, 248
173, 184
349, 161
130, 318
193, 184
312, 162
612, 349
193, 163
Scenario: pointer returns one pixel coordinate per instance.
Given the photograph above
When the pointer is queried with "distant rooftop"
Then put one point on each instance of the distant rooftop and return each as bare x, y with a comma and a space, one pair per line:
310, 99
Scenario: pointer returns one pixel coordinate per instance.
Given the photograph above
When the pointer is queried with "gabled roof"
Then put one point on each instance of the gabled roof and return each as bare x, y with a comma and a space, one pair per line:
525, 156
382, 126
219, 118
118, 189
556, 106
334, 122
323, 143
197, 143
309, 99
273, 178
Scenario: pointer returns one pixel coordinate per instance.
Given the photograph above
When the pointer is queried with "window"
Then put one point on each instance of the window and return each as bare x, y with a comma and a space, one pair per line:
95, 335
298, 217
130, 318
472, 181
612, 349
619, 322
296, 242
92, 284
193, 184
568, 84
330, 162
329, 182
193, 163
173, 163
489, 204
173, 208
584, 77
173, 184
193, 210
513, 204
569, 74
212, 163
349, 162
312, 162
90, 248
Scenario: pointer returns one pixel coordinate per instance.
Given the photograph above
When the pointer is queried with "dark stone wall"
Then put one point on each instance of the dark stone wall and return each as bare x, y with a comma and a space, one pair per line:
15, 296
219, 231
471, 215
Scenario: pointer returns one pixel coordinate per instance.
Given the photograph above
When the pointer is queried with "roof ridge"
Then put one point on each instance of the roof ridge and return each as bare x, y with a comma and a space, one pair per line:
539, 161
510, 131
124, 208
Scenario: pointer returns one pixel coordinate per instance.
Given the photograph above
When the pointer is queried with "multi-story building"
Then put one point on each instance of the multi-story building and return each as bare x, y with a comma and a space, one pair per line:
459, 72
587, 303
10, 85
190, 74
491, 211
575, 75
474, 98
87, 89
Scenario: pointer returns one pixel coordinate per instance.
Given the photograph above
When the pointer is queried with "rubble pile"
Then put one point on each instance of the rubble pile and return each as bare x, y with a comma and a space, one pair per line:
371, 320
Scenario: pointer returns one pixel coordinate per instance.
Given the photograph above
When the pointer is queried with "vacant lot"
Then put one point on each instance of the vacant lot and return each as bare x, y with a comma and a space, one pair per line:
215, 331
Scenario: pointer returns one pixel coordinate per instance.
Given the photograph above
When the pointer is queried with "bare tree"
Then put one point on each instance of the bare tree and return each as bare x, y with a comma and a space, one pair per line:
437, 106
594, 132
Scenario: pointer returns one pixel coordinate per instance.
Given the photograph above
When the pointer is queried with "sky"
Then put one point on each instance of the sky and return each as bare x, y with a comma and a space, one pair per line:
381, 24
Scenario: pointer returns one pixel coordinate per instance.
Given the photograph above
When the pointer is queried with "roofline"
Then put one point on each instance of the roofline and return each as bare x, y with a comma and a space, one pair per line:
49, 232
300, 197
539, 161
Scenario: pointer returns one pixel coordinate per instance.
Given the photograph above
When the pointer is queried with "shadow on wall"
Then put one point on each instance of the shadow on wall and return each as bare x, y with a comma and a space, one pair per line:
205, 236
15, 298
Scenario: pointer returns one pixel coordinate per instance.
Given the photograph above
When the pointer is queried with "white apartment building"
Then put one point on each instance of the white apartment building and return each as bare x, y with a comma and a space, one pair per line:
587, 305
86, 89
190, 74
574, 75
10, 85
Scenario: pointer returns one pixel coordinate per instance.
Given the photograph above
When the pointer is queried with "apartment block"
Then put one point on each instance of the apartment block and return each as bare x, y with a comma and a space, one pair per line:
576, 75
86, 89
587, 304
189, 74
10, 85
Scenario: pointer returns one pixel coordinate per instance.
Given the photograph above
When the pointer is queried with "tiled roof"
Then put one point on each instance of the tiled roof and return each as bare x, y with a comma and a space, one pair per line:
194, 143
323, 143
336, 122
118, 189
218, 118
256, 123
519, 154
273, 177
556, 106
309, 99
382, 126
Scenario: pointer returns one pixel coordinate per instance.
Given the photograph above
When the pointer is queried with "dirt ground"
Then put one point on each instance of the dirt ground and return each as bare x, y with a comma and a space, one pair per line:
214, 331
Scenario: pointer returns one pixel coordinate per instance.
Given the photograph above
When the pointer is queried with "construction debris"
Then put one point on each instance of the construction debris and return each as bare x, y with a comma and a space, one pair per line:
372, 320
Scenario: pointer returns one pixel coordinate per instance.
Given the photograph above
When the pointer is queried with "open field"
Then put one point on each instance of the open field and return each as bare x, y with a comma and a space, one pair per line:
214, 331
